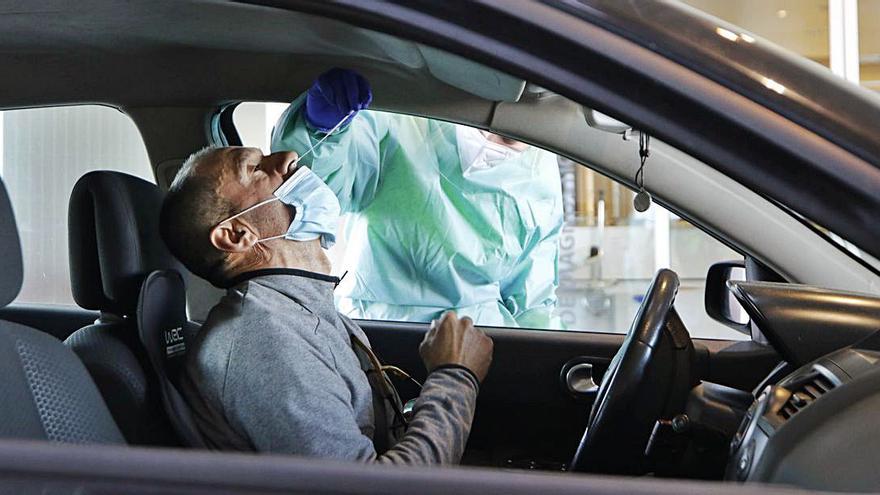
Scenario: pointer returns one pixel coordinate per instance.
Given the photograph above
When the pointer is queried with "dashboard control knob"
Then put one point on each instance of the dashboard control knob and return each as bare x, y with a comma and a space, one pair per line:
745, 461
681, 423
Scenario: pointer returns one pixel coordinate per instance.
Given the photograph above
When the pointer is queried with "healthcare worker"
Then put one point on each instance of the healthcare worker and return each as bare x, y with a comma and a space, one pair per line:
441, 216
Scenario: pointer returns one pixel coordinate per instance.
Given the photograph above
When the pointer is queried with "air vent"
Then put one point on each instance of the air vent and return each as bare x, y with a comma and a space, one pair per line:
804, 391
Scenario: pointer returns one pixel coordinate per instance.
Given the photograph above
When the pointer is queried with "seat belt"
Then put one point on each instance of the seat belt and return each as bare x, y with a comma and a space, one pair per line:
384, 393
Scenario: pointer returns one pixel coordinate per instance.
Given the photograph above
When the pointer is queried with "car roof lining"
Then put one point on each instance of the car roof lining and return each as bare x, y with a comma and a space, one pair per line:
105, 51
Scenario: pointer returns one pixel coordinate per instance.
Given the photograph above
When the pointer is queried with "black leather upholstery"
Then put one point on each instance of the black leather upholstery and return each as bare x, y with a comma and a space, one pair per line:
114, 244
10, 282
166, 334
45, 392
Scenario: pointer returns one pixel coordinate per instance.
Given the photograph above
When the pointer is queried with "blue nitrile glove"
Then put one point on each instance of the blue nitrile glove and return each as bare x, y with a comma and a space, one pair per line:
336, 93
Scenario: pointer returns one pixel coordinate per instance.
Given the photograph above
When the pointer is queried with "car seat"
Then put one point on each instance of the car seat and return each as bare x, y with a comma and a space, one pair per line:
47, 392
114, 244
167, 334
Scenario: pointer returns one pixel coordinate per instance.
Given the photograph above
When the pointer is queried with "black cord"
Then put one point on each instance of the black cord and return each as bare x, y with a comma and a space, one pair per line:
644, 153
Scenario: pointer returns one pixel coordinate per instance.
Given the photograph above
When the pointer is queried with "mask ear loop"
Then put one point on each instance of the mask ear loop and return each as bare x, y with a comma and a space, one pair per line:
249, 208
242, 212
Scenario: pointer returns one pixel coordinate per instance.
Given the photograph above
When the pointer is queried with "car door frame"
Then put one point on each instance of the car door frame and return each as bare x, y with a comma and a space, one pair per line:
783, 161
43, 467
198, 472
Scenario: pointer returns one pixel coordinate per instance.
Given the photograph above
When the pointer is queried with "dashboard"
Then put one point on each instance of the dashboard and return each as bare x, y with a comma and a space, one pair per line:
784, 418
818, 427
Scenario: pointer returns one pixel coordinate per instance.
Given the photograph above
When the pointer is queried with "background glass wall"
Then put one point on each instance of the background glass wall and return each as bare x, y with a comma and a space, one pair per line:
869, 43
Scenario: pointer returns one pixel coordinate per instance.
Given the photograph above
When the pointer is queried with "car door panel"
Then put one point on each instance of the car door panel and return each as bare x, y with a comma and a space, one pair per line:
44, 467
524, 412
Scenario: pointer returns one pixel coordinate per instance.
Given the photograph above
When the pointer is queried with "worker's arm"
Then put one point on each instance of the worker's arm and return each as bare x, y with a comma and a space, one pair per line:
350, 160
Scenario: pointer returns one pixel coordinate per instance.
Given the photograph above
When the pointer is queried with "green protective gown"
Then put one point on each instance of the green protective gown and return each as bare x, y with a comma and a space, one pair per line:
424, 237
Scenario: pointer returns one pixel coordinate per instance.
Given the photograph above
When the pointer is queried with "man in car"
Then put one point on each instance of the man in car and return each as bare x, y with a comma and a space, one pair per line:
442, 216
276, 368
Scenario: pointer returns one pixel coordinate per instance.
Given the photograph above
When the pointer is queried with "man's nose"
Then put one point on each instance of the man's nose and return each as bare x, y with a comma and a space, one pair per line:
283, 162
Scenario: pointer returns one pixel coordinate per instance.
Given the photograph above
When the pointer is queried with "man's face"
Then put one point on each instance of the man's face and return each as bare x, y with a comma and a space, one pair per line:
246, 177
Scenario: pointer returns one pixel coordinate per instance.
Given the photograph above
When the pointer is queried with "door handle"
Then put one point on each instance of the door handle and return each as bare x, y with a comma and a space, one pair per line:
579, 380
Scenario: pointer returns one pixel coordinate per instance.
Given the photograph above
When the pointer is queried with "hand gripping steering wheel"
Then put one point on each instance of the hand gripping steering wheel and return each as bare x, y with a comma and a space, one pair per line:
648, 379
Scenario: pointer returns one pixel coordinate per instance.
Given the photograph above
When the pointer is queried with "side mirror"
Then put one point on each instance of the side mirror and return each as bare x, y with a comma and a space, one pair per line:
721, 305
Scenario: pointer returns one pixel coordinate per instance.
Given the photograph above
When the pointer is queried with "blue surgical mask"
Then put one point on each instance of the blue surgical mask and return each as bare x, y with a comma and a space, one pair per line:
317, 208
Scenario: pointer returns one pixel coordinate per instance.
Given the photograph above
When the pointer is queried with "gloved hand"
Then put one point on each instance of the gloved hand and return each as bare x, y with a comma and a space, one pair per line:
333, 95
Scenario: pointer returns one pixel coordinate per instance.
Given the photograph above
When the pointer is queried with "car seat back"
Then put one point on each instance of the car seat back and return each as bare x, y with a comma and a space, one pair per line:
166, 334
46, 392
114, 243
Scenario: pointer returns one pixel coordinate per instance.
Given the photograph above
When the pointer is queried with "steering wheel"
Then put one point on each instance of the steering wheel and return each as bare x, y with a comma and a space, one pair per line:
648, 379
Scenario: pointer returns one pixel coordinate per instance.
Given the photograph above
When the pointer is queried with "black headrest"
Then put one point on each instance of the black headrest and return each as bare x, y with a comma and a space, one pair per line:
113, 229
10, 261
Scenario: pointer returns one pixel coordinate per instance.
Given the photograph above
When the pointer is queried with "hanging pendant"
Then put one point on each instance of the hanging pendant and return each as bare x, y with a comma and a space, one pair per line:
642, 201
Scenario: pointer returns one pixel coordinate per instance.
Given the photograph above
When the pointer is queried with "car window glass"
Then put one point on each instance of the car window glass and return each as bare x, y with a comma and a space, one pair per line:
43, 152
869, 43
801, 27
535, 242
804, 27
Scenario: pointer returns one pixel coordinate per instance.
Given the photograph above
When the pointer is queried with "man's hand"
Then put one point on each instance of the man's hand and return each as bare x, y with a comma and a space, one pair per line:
333, 95
454, 341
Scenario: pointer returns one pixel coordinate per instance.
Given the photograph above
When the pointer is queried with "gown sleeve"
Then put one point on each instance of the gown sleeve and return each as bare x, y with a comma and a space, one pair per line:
349, 161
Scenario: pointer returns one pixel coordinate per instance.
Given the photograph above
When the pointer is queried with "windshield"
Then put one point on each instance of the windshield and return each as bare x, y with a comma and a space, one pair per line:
800, 90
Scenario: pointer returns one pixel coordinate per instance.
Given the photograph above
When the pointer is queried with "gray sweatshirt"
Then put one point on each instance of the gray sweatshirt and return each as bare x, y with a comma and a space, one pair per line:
273, 370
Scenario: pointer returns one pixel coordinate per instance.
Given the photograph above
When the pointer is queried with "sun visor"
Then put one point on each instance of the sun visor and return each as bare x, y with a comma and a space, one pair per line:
472, 77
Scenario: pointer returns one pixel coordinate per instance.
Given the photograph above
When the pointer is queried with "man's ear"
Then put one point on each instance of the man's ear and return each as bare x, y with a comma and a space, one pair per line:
233, 237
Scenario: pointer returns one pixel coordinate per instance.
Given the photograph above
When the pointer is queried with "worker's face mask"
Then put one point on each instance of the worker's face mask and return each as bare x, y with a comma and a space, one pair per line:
477, 153
317, 208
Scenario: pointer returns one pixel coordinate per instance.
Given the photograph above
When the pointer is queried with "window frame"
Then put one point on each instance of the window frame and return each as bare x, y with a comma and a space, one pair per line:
223, 122
70, 306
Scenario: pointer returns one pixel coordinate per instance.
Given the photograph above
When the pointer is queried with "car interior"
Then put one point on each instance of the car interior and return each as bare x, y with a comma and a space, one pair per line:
651, 402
